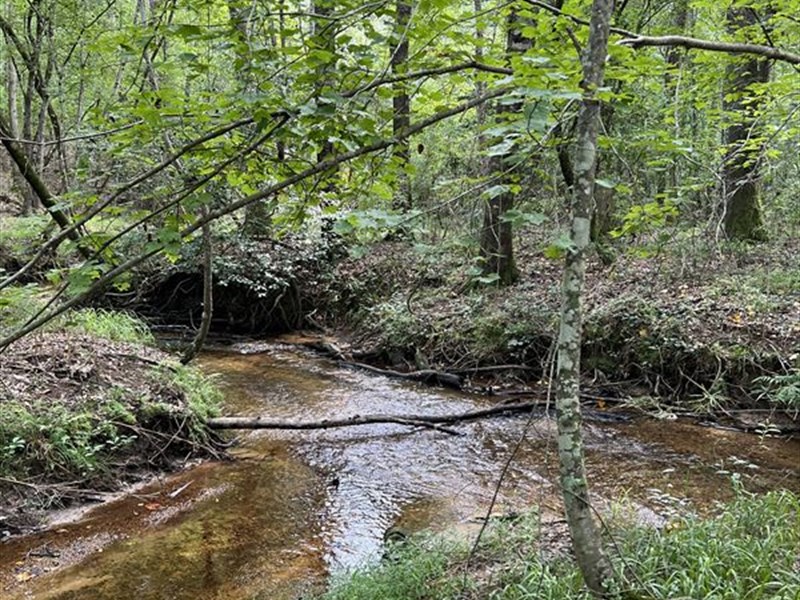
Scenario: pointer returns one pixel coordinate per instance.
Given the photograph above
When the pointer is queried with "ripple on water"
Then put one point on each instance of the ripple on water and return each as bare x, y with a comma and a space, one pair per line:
299, 505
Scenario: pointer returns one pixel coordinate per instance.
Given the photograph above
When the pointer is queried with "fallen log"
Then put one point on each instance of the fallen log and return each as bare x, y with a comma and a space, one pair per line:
442, 378
431, 421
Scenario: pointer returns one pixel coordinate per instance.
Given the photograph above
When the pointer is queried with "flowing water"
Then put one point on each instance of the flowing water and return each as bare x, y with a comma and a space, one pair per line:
295, 507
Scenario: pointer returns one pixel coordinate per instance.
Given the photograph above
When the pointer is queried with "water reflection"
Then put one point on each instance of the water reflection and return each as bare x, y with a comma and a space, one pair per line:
299, 505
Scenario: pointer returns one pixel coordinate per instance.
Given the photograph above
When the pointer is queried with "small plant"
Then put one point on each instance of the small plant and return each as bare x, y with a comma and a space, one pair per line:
781, 390
203, 397
416, 569
18, 304
748, 552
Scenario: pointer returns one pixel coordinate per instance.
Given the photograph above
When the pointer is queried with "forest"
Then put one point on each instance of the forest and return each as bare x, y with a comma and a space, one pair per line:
400, 299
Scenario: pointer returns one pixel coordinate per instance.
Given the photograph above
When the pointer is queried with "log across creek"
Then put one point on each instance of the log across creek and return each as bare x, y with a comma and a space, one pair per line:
438, 422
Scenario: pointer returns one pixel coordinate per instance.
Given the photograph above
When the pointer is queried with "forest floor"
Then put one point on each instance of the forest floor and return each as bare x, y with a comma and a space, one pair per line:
84, 415
697, 330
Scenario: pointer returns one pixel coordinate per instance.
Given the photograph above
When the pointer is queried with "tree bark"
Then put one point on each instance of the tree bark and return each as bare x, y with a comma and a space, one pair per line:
401, 103
36, 183
414, 420
323, 38
208, 296
740, 169
497, 242
586, 539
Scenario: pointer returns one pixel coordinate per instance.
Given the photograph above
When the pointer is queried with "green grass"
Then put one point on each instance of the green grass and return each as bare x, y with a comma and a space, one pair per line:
413, 571
86, 436
17, 305
203, 398
749, 552
21, 236
20, 303
111, 325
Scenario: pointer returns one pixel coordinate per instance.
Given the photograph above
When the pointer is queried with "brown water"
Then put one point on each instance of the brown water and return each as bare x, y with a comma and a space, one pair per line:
295, 507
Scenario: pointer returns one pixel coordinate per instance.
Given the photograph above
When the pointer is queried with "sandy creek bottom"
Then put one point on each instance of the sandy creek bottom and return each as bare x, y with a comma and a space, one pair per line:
297, 506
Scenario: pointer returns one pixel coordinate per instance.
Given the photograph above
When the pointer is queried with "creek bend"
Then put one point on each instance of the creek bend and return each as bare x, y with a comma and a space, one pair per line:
297, 506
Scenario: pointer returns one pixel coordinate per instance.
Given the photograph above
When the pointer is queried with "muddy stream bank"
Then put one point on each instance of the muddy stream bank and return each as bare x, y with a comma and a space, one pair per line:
296, 507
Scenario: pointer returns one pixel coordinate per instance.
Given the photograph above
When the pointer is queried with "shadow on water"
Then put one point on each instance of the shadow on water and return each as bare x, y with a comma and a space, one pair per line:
297, 506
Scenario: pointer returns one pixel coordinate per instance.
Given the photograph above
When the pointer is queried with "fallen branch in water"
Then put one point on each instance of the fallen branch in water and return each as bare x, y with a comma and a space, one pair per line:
430, 421
425, 376
492, 368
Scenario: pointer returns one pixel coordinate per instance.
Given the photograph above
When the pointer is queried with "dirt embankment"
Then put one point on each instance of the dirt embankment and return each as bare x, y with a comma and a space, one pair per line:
704, 332
83, 415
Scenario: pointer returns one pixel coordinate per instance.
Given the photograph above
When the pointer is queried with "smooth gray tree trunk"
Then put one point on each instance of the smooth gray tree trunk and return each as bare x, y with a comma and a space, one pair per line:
586, 539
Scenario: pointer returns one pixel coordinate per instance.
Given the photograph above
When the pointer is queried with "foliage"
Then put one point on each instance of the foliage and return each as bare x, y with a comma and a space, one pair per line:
51, 441
19, 237
87, 438
111, 325
419, 568
203, 397
748, 551
108, 420
284, 87
781, 390
18, 304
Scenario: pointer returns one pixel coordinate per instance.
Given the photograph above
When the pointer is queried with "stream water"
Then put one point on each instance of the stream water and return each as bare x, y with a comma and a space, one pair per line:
295, 507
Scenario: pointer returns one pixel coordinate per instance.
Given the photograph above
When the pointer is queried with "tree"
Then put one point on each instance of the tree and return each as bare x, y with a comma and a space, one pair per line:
496, 239
740, 168
586, 539
401, 102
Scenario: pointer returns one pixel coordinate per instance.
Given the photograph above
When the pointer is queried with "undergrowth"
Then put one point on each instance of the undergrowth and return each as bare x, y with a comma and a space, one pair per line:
21, 303
748, 552
103, 412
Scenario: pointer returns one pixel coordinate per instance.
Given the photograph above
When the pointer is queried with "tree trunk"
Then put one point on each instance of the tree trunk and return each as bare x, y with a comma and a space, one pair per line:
38, 186
323, 38
673, 76
740, 169
401, 103
586, 539
12, 86
497, 243
208, 296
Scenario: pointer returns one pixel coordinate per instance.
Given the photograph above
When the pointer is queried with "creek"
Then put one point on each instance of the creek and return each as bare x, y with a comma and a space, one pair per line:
295, 507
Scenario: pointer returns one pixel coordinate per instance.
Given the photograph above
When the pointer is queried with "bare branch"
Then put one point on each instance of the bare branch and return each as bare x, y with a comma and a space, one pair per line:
77, 138
39, 187
109, 276
698, 44
635, 40
429, 73
412, 420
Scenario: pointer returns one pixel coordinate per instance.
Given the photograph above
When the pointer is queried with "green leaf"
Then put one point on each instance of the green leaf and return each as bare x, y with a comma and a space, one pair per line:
518, 218
559, 247
495, 191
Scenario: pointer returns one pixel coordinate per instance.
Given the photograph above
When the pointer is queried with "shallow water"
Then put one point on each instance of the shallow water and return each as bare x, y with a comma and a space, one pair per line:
297, 506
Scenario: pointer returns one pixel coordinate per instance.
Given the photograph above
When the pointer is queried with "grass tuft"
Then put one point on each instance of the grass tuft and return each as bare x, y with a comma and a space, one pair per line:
111, 325
750, 551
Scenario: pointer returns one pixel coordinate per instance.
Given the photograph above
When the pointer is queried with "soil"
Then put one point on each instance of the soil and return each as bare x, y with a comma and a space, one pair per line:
680, 326
55, 379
